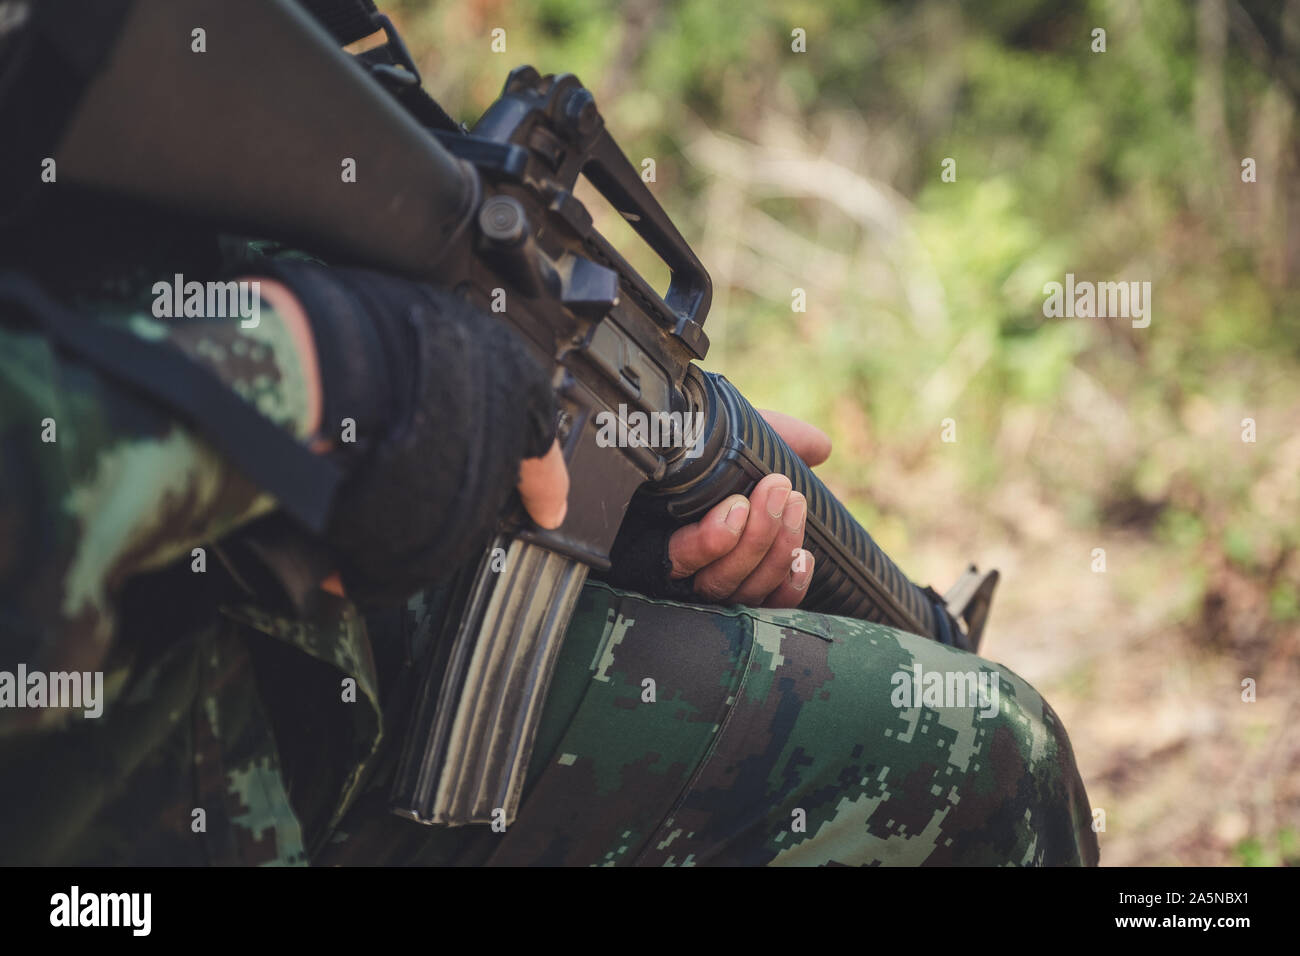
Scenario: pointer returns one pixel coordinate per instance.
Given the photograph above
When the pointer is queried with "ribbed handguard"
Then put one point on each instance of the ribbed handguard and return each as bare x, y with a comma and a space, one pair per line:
852, 576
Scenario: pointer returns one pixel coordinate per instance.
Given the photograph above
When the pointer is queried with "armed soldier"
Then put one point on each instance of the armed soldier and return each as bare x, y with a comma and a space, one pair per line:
256, 715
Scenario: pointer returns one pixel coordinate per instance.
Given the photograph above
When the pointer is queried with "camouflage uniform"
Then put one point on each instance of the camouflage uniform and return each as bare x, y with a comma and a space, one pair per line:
230, 734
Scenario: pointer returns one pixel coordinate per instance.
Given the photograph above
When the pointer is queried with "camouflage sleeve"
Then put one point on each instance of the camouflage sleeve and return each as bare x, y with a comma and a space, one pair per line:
98, 484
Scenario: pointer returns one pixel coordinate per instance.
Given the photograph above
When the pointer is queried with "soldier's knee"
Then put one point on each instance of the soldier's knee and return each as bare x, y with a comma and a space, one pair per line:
1033, 767
983, 762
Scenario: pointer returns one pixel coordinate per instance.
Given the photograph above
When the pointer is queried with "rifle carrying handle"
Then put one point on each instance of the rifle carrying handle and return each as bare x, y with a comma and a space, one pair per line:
852, 576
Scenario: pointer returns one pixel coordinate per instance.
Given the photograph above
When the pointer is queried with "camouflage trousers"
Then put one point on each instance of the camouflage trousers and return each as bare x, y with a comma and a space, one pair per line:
679, 735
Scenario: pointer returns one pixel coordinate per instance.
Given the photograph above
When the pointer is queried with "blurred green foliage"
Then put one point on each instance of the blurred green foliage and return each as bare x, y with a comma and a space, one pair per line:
1282, 850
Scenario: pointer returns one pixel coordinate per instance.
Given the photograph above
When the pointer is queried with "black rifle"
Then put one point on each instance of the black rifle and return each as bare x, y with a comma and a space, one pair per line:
254, 132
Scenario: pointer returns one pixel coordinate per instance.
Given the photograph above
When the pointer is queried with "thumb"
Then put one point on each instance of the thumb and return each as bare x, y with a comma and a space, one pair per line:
544, 487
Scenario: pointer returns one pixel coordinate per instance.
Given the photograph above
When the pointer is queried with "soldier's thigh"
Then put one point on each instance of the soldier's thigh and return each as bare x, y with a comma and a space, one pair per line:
683, 735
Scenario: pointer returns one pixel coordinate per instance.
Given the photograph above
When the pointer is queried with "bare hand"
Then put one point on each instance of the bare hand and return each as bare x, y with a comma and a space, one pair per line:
745, 551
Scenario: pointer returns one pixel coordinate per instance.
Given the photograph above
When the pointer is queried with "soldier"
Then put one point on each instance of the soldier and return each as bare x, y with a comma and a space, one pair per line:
250, 716
236, 731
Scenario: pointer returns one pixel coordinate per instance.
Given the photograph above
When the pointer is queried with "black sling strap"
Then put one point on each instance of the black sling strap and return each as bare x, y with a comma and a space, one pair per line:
390, 64
347, 20
304, 483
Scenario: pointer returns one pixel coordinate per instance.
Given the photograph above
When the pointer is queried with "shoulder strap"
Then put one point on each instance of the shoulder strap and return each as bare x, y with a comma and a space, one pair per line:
304, 483
347, 20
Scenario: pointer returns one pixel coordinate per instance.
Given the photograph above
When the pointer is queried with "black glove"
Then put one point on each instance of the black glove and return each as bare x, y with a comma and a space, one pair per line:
446, 402
639, 558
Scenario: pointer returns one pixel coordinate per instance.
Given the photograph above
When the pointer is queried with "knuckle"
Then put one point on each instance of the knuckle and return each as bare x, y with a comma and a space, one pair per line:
717, 541
713, 590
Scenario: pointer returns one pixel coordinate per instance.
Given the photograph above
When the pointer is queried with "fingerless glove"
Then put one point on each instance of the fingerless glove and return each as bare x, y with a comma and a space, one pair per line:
445, 402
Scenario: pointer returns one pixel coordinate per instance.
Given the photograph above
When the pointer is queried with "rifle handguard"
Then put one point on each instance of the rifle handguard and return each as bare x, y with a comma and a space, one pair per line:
852, 576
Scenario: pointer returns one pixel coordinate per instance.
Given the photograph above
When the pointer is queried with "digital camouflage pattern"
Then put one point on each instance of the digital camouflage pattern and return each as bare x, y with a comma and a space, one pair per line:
761, 718
765, 717
234, 733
